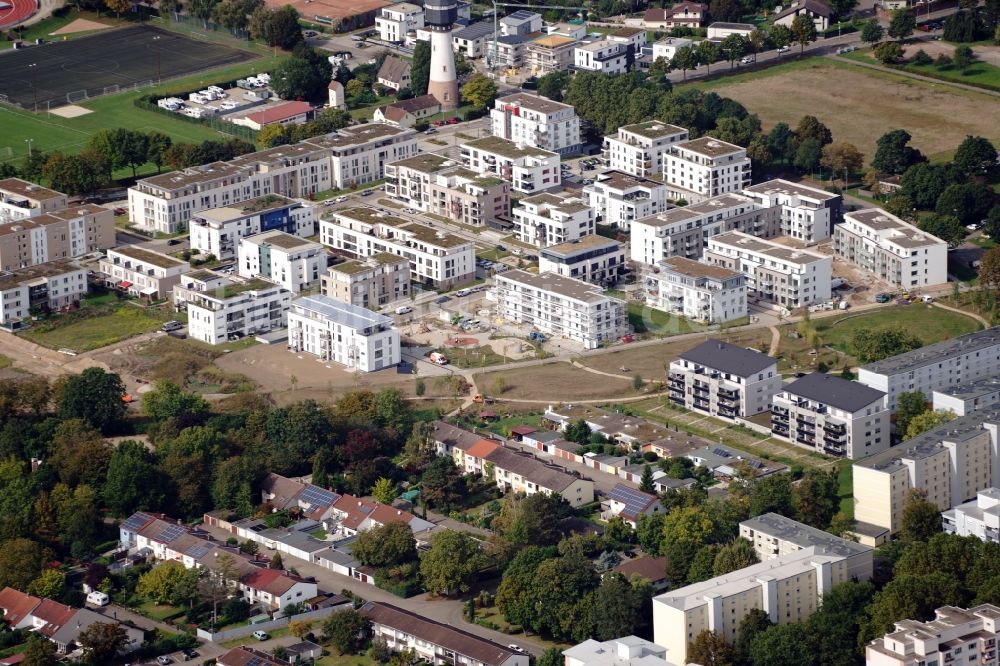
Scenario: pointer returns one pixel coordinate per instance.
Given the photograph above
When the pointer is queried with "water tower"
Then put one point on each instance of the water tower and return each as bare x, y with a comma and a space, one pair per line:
439, 17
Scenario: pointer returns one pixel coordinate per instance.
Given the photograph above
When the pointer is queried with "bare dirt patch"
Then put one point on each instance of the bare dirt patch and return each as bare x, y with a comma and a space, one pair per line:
80, 25
861, 105
71, 111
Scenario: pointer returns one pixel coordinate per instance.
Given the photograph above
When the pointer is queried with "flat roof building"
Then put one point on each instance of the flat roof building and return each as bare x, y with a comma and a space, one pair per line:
705, 167
550, 219
20, 199
592, 258
619, 198
536, 121
807, 213
952, 637
343, 333
370, 283
979, 518
220, 307
217, 231
967, 398
697, 291
526, 168
48, 235
289, 261
41, 288
639, 149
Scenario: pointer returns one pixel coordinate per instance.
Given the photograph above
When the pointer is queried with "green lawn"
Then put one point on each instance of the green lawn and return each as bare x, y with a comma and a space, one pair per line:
979, 74
156, 611
929, 323
472, 357
845, 488
645, 319
333, 659
5, 361
95, 328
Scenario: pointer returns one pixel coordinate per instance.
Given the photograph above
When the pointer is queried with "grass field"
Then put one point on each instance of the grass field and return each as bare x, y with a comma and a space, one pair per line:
95, 328
929, 323
557, 379
859, 105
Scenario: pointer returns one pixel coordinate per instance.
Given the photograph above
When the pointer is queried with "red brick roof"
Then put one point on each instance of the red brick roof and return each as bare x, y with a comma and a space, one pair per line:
482, 448
279, 112
16, 604
54, 614
243, 656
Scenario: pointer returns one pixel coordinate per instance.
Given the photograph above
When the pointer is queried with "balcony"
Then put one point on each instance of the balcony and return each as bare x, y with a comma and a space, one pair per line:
835, 428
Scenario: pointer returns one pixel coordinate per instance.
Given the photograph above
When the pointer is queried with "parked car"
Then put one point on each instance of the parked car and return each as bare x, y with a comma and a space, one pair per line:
164, 659
462, 292
404, 309
746, 60
340, 200
442, 299
171, 325
516, 648
883, 298
189, 654
261, 635
368, 193
782, 49
120, 211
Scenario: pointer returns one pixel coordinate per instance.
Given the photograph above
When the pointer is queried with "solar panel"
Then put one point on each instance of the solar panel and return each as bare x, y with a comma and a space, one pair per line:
756, 464
254, 660
198, 551
722, 452
135, 521
317, 496
171, 532
634, 500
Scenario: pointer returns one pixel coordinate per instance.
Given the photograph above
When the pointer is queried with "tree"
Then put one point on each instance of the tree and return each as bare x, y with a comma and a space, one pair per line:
552, 85
734, 47
300, 78
781, 36
167, 583
780, 141
724, 10
441, 483
893, 154
707, 53
684, 59
101, 641
888, 52
118, 6
122, 147
79, 520
300, 628
157, 144
577, 431
479, 91
816, 498
276, 562
615, 609
772, 493
808, 156
420, 68
270, 136
709, 649
753, 624
50, 584
929, 420
40, 651
82, 173
902, 25
451, 563
909, 404
921, 519
989, 268
870, 345
975, 155
843, 158
385, 545
284, 30
810, 127
21, 561
946, 227
94, 396
133, 481
734, 556
384, 491
551, 657
345, 630
872, 32
969, 202
963, 58
804, 31
646, 481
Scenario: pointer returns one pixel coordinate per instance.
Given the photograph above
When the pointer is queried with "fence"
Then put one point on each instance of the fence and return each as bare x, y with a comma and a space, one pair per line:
240, 632
148, 103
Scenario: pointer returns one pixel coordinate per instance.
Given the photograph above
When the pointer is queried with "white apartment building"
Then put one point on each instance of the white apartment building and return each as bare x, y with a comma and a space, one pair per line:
45, 287
619, 198
521, 22
633, 38
220, 308
536, 121
724, 380
335, 331
774, 535
289, 261
697, 291
788, 277
684, 232
142, 271
625, 651
891, 249
550, 219
831, 416
20, 199
702, 168
527, 169
788, 588
396, 21
352, 156
59, 234
639, 149
436, 184
955, 636
951, 463
217, 231
807, 213
668, 47
592, 258
979, 518
936, 367
376, 281
561, 306
604, 56
967, 398
436, 258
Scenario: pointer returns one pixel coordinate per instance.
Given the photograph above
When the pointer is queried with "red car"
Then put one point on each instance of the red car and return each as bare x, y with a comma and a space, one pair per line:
453, 121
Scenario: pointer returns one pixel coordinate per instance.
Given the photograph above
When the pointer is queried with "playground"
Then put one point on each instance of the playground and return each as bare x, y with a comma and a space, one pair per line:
52, 75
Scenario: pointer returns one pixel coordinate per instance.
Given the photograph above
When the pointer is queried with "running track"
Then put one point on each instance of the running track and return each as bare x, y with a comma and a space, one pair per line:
18, 11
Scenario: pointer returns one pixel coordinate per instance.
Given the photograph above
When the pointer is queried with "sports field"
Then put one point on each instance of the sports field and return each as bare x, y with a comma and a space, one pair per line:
65, 72
859, 105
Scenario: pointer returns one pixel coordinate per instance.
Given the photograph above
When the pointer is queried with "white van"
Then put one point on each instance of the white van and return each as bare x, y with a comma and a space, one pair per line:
403, 309
97, 598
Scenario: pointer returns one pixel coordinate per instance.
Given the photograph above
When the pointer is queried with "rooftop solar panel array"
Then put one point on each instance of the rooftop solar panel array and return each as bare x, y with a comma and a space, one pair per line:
135, 521
634, 500
171, 532
316, 496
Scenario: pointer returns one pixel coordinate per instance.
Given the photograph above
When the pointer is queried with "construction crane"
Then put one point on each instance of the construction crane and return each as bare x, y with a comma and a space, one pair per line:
492, 57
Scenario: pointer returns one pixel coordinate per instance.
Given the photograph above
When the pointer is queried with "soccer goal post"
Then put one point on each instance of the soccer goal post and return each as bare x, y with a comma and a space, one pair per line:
76, 96
111, 90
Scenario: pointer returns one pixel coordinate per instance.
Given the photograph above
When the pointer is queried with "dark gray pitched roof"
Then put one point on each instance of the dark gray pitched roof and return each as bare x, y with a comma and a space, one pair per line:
834, 391
813, 6
394, 69
475, 31
725, 357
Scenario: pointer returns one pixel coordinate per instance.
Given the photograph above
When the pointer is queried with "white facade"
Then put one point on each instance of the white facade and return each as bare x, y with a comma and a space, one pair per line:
955, 636
47, 287
550, 219
217, 231
625, 651
807, 213
831, 416
592, 258
56, 235
702, 168
560, 306
292, 262
668, 47
377, 281
619, 198
20, 199
639, 149
787, 277
353, 156
940, 366
346, 334
967, 398
435, 257
141, 271
697, 291
683, 232
396, 21
219, 307
891, 249
979, 518
605, 56
521, 23
536, 121
436, 184
527, 169
723, 380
